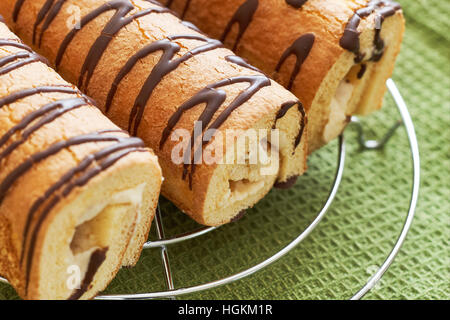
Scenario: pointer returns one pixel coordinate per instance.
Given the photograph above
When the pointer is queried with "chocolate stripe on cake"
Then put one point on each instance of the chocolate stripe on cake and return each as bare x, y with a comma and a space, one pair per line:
243, 17
49, 11
289, 183
214, 97
166, 64
50, 16
48, 113
17, 8
30, 92
25, 166
185, 9
115, 24
192, 26
241, 62
297, 4
379, 44
41, 16
96, 260
300, 49
362, 71
14, 43
27, 59
29, 56
351, 37
284, 109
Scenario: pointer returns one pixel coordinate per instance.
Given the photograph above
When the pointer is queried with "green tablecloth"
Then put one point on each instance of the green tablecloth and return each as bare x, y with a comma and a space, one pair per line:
359, 230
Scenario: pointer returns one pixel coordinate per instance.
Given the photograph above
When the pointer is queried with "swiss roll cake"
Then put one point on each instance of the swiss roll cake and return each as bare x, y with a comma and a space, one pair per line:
202, 109
77, 193
334, 55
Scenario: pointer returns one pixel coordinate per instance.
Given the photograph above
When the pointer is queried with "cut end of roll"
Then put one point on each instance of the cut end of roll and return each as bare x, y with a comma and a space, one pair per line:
356, 85
272, 151
233, 189
88, 240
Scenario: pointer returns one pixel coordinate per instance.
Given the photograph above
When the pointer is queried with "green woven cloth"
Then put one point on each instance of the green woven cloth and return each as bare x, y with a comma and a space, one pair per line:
364, 221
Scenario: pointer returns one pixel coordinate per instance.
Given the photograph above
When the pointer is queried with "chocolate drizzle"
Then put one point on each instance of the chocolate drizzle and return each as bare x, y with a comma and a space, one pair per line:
213, 96
297, 4
166, 64
351, 37
14, 43
191, 26
300, 49
243, 17
239, 216
17, 8
49, 13
241, 62
41, 16
284, 109
78, 176
24, 57
96, 260
28, 55
30, 92
116, 23
289, 183
47, 113
362, 71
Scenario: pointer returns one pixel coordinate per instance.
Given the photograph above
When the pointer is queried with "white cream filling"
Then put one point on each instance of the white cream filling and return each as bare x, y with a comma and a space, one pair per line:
338, 107
240, 190
133, 196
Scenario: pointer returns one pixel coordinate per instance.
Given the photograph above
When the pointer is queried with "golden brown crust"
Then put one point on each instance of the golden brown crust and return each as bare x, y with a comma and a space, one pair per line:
34, 243
172, 90
275, 26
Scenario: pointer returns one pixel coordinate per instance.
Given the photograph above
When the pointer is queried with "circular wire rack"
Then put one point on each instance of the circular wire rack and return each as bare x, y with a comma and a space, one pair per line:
162, 243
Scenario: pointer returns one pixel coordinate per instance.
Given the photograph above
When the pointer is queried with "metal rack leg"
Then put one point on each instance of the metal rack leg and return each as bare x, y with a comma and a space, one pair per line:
374, 144
164, 251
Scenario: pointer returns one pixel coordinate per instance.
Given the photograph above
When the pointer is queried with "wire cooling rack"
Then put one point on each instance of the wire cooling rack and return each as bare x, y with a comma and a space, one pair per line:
162, 243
